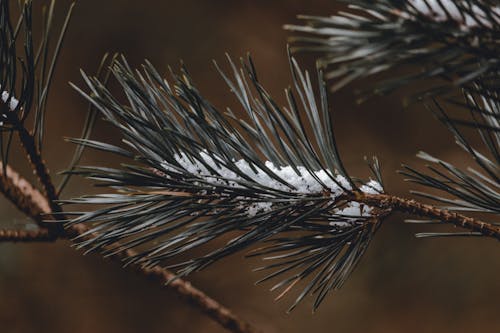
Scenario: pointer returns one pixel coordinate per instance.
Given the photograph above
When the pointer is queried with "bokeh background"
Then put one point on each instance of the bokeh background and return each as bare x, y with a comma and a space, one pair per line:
402, 284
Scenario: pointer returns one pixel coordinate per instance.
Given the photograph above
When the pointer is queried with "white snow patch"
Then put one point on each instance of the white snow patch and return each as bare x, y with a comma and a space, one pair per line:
211, 170
306, 182
352, 213
12, 103
443, 10
372, 187
355, 209
257, 207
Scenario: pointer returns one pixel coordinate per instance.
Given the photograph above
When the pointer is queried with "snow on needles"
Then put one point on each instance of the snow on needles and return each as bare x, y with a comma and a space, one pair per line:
443, 10
212, 170
10, 100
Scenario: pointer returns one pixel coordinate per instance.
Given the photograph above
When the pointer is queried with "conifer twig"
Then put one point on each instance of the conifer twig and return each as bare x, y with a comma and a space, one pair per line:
197, 298
39, 166
22, 193
414, 207
195, 177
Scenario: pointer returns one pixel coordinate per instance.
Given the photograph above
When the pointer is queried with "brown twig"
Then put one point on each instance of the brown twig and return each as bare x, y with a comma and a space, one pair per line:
185, 289
23, 194
197, 298
34, 156
409, 206
39, 166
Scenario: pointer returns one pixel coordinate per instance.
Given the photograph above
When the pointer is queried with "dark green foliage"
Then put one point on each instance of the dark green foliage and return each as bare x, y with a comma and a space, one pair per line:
25, 75
456, 43
474, 189
162, 208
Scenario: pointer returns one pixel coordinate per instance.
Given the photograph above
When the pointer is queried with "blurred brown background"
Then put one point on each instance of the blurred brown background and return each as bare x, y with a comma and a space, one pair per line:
402, 285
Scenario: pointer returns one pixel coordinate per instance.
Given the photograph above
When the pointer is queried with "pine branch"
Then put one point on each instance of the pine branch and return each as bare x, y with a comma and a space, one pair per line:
454, 41
208, 306
197, 174
25, 80
475, 189
274, 176
36, 161
39, 166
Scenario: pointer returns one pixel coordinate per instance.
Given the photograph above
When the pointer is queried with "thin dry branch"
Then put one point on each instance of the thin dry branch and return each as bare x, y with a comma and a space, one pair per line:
39, 166
196, 298
34, 157
414, 207
185, 289
23, 194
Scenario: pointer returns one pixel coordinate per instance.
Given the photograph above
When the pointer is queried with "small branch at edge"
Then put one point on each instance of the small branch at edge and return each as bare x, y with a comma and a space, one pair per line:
23, 194
410, 206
